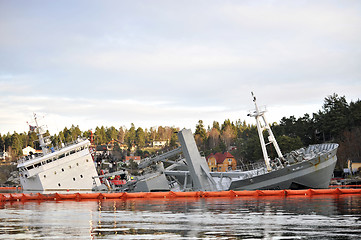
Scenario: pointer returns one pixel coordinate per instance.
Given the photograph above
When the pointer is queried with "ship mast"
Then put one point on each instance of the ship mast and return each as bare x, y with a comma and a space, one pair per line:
261, 126
44, 141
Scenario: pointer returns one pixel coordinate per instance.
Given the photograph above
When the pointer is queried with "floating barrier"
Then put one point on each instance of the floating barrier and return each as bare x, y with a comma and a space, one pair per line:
4, 197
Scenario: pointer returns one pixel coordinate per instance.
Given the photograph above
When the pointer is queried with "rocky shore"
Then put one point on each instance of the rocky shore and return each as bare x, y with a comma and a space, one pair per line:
9, 175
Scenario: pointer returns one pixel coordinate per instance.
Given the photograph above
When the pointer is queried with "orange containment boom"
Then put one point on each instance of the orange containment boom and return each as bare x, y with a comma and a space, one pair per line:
171, 195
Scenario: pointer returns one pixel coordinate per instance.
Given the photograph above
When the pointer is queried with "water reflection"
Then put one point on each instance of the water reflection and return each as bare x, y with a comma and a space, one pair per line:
316, 217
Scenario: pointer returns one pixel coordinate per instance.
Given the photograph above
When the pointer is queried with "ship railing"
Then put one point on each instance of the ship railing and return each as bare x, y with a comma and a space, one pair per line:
251, 166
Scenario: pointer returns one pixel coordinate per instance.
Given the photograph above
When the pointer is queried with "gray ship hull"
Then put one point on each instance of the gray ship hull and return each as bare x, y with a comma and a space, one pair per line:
314, 173
310, 167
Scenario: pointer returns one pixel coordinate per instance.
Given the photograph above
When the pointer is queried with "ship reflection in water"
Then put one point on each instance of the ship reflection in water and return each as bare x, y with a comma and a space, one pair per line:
316, 217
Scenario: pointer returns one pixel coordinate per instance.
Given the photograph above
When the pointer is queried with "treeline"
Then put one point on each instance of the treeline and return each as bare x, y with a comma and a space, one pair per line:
337, 121
132, 137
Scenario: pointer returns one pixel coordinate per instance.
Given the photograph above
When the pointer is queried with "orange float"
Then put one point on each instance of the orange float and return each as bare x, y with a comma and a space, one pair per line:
246, 193
218, 194
349, 191
89, 195
113, 195
186, 194
298, 192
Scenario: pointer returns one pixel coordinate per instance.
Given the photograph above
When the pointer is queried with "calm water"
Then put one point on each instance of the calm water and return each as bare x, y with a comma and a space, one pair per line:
326, 217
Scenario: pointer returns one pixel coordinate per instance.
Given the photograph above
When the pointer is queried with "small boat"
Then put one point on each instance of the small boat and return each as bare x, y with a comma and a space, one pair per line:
69, 168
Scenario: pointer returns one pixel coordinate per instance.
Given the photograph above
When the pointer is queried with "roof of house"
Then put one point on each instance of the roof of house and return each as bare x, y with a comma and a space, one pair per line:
220, 157
135, 158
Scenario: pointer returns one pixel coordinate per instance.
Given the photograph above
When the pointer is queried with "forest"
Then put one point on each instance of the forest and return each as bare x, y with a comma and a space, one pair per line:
337, 121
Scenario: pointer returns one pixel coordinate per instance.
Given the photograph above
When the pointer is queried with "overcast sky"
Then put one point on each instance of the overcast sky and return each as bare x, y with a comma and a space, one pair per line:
172, 63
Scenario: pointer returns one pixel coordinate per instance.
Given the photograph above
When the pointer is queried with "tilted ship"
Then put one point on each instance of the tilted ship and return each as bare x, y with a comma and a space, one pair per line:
310, 167
72, 168
69, 168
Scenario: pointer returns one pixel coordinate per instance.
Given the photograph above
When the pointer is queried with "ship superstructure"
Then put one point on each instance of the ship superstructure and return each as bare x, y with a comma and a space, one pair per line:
70, 167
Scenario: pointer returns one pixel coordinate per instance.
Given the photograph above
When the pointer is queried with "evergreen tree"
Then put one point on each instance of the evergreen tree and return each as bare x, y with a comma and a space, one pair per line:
200, 135
111, 133
100, 135
173, 138
336, 116
2, 144
355, 112
140, 137
130, 136
16, 145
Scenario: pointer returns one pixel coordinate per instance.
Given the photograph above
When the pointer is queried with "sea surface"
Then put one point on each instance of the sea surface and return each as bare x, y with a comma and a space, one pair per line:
291, 217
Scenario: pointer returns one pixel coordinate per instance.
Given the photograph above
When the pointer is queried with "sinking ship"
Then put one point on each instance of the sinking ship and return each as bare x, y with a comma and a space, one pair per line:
68, 168
310, 167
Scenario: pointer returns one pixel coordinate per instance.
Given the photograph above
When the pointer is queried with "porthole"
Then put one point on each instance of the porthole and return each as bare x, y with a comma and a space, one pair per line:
81, 176
62, 169
69, 167
77, 164
55, 172
44, 176
73, 178
59, 184
87, 160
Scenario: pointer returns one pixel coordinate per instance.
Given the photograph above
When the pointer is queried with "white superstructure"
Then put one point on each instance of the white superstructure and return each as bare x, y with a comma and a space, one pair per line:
69, 168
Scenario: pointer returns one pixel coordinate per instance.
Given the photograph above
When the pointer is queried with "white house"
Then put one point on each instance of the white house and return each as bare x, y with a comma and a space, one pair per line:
159, 143
27, 150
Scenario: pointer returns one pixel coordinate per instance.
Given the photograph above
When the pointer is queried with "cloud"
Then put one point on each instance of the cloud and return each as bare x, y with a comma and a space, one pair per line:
168, 63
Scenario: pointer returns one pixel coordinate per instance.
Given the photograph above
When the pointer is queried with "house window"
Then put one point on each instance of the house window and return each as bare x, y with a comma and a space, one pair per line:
229, 161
